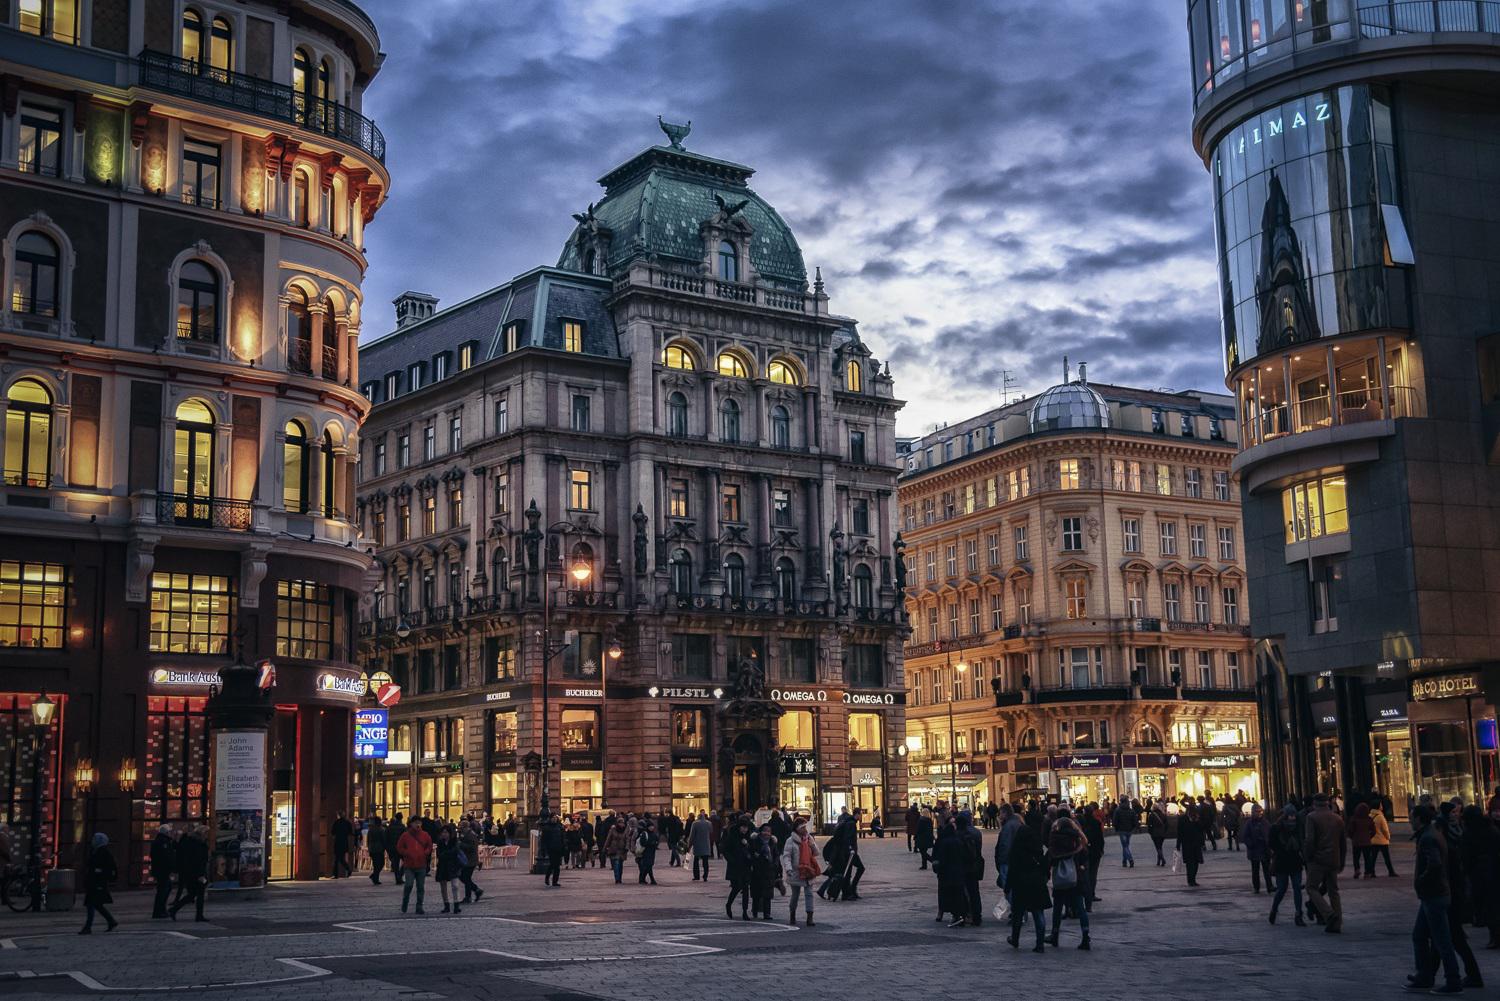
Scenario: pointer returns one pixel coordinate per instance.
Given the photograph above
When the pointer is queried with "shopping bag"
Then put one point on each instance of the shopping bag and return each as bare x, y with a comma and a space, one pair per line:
1176, 860
1002, 910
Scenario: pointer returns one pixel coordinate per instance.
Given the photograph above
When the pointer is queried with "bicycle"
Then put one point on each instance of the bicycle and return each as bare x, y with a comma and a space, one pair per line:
18, 887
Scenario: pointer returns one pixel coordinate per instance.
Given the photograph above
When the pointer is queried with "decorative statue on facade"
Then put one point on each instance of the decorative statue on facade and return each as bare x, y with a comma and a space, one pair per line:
747, 698
899, 547
750, 680
640, 520
836, 537
532, 539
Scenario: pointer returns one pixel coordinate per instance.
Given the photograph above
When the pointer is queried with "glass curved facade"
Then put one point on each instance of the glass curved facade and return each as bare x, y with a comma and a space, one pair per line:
1304, 195
1232, 37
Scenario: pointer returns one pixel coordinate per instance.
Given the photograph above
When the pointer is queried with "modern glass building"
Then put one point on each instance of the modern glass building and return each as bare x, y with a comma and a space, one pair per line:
1352, 149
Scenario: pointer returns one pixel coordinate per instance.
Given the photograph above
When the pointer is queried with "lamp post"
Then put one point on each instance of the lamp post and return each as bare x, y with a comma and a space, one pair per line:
42, 711
961, 668
614, 652
581, 571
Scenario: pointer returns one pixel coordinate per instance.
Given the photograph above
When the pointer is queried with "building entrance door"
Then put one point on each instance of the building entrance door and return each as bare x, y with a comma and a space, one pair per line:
283, 834
746, 787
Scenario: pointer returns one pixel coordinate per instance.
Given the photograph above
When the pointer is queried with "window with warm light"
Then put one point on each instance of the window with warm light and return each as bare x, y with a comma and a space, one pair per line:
733, 366
782, 373
1316, 508
190, 613
580, 490
1067, 474
33, 604
573, 336
40, 150
34, 276
677, 499
198, 304
1075, 590
304, 619
854, 376
678, 357
429, 515
54, 19
294, 468
730, 509
1164, 479
28, 435
865, 732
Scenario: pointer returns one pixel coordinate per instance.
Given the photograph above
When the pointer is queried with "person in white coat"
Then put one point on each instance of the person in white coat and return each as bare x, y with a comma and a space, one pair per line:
800, 861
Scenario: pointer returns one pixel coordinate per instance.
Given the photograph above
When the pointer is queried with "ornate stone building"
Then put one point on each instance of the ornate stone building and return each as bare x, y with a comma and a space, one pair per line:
183, 194
1077, 600
601, 488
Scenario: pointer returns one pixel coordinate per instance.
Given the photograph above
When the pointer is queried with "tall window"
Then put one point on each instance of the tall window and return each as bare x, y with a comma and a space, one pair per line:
730, 509
864, 587
1072, 534
54, 19
997, 611
781, 508
692, 656
221, 45
1192, 481
302, 85
1205, 669
677, 499
854, 376
200, 173
33, 287
859, 520
729, 421
1231, 597
786, 579
429, 443
502, 414
41, 141
330, 477
193, 458
573, 336
301, 195
198, 304
33, 604
1226, 544
190, 613
580, 412
1316, 508
1200, 602
734, 575
298, 332
1169, 538
403, 450
678, 357
1135, 598
1164, 479
429, 517
866, 666
580, 490
1221, 486
28, 435
1023, 548
729, 262
1076, 590
781, 427
857, 446
681, 564
1171, 594
502, 494
1067, 474
456, 431
677, 415
1198, 542
1132, 534
304, 620
294, 468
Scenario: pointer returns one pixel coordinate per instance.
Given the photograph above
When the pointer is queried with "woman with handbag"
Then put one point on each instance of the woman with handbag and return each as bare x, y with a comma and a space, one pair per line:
1191, 837
799, 858
1067, 850
450, 862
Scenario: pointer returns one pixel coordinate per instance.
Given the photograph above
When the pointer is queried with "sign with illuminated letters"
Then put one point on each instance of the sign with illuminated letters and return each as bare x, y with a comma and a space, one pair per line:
1446, 686
372, 731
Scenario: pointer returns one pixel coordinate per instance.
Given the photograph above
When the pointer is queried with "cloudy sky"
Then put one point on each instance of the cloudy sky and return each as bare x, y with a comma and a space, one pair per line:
987, 184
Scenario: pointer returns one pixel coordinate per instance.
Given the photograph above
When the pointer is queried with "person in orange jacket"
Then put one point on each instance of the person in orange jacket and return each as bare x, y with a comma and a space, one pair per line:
415, 849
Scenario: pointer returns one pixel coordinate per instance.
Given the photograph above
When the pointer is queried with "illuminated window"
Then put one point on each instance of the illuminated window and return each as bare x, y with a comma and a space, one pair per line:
782, 372
301, 196
1067, 474
40, 150
54, 19
1316, 508
854, 377
302, 85
465, 356
28, 435
193, 459
864, 732
33, 287
580, 490
198, 304
512, 335
573, 336
190, 613
200, 173
429, 516
733, 366
678, 357
304, 619
33, 605
1164, 479
730, 509
221, 45
1075, 589
294, 468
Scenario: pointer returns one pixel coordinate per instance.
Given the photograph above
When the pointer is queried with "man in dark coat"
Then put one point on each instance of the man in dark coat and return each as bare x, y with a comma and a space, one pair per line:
925, 837
163, 864
913, 815
973, 862
1190, 839
1026, 884
376, 847
949, 859
551, 846
192, 872
1088, 819
341, 831
100, 872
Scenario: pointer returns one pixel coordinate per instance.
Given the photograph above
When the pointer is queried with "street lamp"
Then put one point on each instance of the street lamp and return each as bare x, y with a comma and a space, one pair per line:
581, 570
42, 711
961, 667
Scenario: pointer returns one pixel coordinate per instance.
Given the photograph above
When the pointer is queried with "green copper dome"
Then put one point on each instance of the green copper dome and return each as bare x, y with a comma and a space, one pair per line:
654, 204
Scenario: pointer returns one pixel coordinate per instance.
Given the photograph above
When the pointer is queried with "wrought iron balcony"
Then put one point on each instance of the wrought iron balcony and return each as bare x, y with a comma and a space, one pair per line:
593, 599
203, 512
190, 78
741, 605
488, 604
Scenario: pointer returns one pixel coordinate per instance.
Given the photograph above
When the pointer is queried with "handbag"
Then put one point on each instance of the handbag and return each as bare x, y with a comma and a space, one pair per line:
1065, 876
807, 863
1176, 859
1002, 910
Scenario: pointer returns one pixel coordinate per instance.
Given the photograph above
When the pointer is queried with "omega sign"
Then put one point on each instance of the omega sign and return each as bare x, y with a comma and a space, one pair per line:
820, 695
1448, 686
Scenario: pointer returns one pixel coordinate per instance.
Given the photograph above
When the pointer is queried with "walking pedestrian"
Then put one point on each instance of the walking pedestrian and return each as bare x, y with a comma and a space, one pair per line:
100, 872
468, 844
1479, 849
913, 814
973, 865
1230, 816
799, 859
414, 848
341, 831
1191, 835
1380, 840
1361, 834
736, 850
163, 865
1156, 827
1255, 835
647, 841
1324, 849
551, 846
376, 847
1429, 935
616, 847
1285, 844
450, 862
702, 836
1025, 881
1010, 825
1126, 820
192, 871
926, 836
1088, 820
393, 835
1067, 851
762, 871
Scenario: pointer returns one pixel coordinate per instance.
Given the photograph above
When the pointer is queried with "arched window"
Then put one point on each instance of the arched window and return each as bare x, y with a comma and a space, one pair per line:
781, 427
193, 461
221, 46
588, 261
786, 579
1029, 741
854, 376
198, 304
298, 332
325, 79
33, 287
677, 415
729, 262
782, 372
729, 421
734, 575
1147, 736
294, 468
194, 43
28, 435
302, 84
579, 558
864, 587
733, 366
330, 478
301, 193
331, 344
679, 357
682, 572
499, 579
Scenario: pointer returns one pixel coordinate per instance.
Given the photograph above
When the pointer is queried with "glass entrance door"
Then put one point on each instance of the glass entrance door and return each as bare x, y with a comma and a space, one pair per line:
283, 834
1390, 751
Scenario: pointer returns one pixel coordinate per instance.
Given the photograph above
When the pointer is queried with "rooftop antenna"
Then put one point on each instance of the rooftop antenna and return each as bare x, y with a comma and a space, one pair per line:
1007, 383
1065, 370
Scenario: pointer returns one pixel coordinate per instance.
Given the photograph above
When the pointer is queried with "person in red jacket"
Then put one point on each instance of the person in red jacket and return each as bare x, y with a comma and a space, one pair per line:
415, 849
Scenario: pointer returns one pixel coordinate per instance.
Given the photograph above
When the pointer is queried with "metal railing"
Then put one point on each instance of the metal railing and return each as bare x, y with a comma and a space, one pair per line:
1420, 17
25, 305
739, 605
330, 362
299, 356
196, 334
696, 284
191, 78
1315, 412
203, 512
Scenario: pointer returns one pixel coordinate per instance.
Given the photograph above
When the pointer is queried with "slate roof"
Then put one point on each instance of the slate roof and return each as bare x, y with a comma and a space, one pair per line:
540, 300
654, 203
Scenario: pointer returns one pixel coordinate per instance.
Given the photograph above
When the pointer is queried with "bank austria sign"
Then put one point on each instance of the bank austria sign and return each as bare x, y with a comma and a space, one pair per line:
341, 684
176, 677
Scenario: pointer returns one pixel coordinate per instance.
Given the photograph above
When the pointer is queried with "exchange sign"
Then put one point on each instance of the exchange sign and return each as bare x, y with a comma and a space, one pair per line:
372, 730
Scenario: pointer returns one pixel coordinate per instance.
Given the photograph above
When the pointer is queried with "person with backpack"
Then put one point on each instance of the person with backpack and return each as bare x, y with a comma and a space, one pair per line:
1067, 851
800, 860
647, 841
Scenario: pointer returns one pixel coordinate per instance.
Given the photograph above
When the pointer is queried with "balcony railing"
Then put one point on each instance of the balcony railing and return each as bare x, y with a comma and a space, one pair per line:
203, 512
488, 604
299, 356
736, 605
330, 362
190, 78
593, 599
696, 284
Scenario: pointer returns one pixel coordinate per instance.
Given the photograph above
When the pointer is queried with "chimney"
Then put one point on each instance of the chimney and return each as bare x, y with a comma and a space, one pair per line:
1083, 373
413, 307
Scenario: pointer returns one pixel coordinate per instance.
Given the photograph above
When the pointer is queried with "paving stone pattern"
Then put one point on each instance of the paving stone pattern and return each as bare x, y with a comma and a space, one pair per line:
593, 939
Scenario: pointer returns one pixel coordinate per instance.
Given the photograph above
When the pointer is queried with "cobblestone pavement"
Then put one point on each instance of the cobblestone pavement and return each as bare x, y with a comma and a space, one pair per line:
593, 939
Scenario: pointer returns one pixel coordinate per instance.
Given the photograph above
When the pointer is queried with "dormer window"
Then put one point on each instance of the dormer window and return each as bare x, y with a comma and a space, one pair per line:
392, 385
729, 262
512, 335
854, 377
573, 336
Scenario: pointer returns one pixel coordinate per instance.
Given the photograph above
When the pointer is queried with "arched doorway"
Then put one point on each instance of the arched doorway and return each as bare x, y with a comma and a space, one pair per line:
748, 785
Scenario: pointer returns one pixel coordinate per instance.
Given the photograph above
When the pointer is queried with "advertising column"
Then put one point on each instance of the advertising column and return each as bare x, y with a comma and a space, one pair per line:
239, 714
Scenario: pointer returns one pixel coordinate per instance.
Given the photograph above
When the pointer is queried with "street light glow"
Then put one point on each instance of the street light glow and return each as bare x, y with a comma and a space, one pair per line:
581, 571
42, 710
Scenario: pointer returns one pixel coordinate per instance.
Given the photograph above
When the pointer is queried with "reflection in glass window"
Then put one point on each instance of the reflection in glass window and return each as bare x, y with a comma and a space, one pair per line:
580, 729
